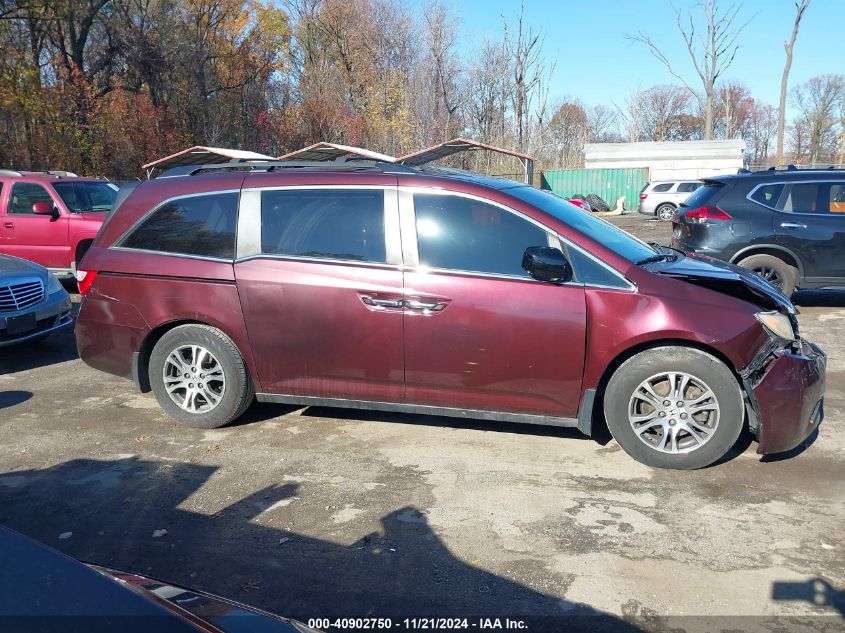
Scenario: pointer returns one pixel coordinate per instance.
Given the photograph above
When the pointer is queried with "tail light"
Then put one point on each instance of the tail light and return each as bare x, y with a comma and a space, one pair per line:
703, 215
84, 279
643, 196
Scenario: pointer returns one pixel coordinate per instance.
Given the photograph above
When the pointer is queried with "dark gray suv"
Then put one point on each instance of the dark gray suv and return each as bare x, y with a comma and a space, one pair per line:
787, 225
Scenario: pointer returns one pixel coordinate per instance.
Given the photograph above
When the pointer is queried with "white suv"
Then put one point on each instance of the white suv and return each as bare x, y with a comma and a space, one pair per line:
662, 198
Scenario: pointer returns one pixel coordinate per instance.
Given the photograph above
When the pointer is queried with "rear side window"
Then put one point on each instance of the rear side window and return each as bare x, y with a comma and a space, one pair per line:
324, 224
767, 195
688, 187
815, 197
702, 195
837, 199
24, 195
201, 225
458, 233
663, 187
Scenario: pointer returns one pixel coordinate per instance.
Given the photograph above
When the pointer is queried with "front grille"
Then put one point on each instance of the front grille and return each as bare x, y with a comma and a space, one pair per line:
21, 294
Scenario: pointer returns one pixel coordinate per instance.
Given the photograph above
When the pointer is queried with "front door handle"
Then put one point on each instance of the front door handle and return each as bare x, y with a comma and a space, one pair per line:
382, 303
9, 225
793, 225
413, 304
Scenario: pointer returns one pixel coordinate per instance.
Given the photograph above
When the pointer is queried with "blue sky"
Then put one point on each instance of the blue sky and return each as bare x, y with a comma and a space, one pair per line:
596, 63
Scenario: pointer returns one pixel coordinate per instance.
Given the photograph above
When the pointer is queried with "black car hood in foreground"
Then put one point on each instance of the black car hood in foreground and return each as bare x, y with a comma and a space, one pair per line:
728, 279
42, 590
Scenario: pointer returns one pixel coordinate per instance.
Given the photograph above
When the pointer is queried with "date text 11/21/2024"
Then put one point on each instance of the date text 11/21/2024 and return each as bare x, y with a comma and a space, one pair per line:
417, 624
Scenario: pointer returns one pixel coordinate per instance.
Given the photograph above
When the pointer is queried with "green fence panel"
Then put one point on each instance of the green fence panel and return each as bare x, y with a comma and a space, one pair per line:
607, 183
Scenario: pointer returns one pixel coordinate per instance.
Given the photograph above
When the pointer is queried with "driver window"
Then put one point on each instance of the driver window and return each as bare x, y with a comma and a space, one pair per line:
458, 233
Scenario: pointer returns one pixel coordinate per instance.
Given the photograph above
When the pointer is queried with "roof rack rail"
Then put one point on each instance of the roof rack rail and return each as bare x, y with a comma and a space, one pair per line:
275, 165
10, 172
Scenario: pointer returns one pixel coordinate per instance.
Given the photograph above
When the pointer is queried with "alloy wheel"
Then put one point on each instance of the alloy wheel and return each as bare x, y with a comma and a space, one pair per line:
771, 275
674, 412
194, 378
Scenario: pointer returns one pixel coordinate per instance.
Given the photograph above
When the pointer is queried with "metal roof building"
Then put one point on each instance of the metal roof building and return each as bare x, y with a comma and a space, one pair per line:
669, 160
201, 155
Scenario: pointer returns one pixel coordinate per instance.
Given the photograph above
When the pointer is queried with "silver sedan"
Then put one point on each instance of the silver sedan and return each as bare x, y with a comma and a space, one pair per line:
33, 304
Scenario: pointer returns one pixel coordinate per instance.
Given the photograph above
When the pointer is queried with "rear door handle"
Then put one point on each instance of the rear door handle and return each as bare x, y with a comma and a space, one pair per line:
793, 225
9, 225
413, 304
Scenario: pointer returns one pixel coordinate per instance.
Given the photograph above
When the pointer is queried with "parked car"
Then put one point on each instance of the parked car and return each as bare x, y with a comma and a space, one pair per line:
44, 590
581, 203
33, 304
662, 198
432, 292
787, 225
51, 217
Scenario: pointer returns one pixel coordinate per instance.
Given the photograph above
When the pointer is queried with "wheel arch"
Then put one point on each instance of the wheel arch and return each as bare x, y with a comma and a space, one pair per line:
773, 250
630, 352
141, 358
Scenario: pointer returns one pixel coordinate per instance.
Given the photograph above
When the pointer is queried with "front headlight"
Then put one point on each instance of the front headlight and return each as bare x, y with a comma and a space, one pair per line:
53, 284
777, 325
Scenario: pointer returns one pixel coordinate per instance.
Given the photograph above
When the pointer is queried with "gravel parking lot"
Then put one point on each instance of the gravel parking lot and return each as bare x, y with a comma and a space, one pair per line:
330, 513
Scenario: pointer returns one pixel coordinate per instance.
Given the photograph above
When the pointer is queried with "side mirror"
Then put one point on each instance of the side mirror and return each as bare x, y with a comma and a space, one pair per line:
546, 264
45, 208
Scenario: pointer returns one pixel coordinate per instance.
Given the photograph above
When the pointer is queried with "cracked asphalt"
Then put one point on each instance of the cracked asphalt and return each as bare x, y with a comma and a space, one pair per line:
332, 513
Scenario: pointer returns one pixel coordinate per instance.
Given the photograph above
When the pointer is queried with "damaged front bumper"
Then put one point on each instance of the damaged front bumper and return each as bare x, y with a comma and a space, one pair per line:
784, 390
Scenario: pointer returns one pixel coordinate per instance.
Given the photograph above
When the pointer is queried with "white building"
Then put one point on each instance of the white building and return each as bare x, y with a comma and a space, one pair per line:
669, 160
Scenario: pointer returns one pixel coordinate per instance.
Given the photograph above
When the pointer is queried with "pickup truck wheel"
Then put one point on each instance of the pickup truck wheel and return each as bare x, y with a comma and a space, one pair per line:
674, 407
665, 211
199, 377
774, 270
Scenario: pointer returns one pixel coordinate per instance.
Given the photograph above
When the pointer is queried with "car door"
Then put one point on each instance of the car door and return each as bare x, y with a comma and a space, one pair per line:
320, 282
39, 238
480, 334
811, 223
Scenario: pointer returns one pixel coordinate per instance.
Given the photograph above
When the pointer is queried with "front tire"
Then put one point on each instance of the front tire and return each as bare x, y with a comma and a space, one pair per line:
199, 377
674, 407
665, 212
774, 270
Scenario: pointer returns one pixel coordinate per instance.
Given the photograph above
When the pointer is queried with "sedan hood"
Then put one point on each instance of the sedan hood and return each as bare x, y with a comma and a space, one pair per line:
728, 279
15, 266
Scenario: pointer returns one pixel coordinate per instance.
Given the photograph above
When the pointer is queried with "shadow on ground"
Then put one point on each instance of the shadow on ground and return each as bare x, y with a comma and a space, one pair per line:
112, 508
816, 591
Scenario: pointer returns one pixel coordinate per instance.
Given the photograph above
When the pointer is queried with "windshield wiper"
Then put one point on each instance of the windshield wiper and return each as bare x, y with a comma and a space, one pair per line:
658, 258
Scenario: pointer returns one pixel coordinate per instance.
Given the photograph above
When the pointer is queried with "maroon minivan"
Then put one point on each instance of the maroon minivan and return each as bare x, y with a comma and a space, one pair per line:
437, 292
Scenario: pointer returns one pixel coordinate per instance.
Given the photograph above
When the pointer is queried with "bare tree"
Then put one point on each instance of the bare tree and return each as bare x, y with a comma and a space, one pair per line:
712, 52
762, 127
798, 140
800, 7
569, 130
733, 109
659, 113
601, 124
821, 100
525, 45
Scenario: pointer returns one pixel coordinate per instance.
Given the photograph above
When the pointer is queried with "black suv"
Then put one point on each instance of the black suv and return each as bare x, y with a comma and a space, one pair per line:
786, 225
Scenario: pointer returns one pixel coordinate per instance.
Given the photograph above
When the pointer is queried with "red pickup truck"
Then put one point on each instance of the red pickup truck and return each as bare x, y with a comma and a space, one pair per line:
51, 218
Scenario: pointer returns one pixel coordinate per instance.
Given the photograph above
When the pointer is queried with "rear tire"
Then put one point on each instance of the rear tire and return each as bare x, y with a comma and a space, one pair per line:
699, 425
774, 270
199, 377
665, 211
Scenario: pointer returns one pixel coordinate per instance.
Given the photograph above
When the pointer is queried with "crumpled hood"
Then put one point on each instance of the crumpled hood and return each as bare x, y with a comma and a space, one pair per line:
16, 267
729, 279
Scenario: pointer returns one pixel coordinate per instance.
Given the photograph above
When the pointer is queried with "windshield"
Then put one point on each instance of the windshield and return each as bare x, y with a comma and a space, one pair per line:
82, 196
614, 238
